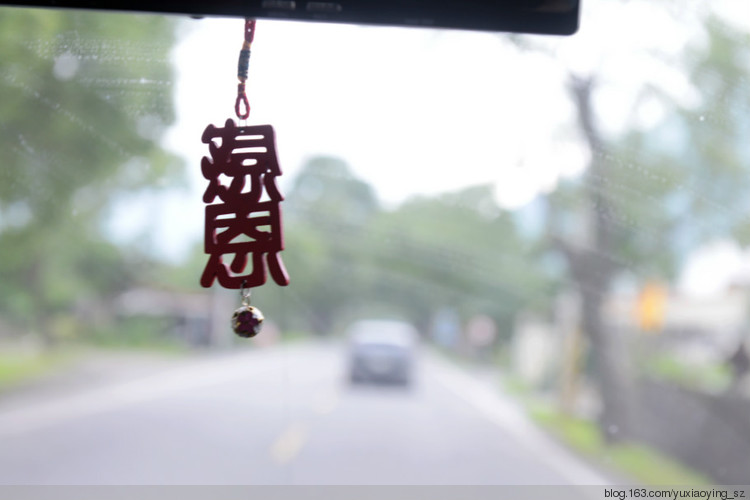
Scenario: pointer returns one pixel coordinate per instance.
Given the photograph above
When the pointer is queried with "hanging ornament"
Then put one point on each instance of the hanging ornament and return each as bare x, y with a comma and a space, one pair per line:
247, 320
243, 215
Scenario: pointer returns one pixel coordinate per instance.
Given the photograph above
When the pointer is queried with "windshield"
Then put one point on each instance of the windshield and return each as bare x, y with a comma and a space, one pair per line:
558, 227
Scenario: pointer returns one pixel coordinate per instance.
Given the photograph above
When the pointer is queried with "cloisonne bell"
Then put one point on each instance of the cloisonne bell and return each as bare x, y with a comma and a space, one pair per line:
247, 321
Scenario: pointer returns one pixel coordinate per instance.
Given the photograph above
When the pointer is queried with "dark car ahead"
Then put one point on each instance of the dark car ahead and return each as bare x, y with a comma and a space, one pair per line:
382, 351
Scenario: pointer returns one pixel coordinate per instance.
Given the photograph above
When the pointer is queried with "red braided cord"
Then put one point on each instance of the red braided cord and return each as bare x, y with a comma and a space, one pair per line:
242, 105
249, 30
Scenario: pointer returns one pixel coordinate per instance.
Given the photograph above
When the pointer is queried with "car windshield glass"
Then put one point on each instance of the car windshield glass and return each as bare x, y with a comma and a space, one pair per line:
553, 230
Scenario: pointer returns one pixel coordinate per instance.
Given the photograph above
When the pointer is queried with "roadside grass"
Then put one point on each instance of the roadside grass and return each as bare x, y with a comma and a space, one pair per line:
292, 336
713, 378
642, 463
167, 347
632, 461
19, 367
21, 364
136, 334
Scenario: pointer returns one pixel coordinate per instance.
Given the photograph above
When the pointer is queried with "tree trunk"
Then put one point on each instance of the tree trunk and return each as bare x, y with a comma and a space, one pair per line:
40, 321
610, 368
593, 270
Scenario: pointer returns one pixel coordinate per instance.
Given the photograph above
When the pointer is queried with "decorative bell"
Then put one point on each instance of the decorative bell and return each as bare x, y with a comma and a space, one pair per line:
247, 321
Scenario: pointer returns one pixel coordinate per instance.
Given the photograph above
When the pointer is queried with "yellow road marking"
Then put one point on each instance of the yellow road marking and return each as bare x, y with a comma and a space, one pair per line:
289, 443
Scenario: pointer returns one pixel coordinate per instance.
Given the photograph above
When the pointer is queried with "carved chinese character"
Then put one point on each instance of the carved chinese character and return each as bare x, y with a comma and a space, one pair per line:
242, 171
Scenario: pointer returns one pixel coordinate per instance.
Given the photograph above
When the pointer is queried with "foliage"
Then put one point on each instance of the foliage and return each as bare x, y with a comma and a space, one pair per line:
671, 186
641, 463
20, 367
85, 99
79, 105
349, 256
458, 250
656, 191
713, 377
137, 333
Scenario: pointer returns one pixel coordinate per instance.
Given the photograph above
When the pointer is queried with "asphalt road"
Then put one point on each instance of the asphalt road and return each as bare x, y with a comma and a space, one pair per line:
281, 415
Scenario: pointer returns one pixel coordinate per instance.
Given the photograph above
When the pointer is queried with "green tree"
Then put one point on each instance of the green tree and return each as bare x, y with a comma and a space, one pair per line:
654, 193
346, 256
326, 193
460, 251
84, 100
327, 214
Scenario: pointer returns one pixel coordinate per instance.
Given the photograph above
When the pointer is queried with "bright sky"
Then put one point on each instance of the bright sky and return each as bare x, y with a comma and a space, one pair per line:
412, 111
417, 111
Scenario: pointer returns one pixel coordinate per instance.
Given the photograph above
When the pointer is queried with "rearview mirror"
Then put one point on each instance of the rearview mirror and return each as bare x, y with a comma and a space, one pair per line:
559, 17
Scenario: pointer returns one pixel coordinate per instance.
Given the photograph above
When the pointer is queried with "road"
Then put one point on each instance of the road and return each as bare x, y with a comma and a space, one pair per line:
280, 415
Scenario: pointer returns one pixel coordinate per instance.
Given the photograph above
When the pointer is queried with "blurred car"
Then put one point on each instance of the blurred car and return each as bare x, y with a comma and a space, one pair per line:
382, 351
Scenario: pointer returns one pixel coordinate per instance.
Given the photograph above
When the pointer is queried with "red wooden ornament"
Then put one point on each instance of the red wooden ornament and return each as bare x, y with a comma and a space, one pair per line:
242, 171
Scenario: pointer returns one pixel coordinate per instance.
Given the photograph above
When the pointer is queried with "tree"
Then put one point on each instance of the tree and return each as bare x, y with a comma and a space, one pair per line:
327, 213
326, 192
347, 256
84, 100
456, 250
657, 191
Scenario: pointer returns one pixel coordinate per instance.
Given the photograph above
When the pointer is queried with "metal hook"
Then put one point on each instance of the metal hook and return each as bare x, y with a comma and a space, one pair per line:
245, 294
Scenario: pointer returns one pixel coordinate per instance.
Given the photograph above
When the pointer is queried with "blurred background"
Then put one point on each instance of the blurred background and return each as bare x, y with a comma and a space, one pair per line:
548, 236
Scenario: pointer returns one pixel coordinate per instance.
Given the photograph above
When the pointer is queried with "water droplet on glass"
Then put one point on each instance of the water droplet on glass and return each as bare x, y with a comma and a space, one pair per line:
66, 66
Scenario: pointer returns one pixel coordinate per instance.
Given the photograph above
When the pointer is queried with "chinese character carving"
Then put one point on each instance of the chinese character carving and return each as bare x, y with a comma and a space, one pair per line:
242, 171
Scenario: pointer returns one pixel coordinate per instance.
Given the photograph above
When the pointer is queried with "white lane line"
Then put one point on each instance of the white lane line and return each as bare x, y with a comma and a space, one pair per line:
508, 416
200, 375
288, 445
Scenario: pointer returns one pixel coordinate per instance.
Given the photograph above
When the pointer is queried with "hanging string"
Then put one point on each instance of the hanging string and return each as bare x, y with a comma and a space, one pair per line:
242, 105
